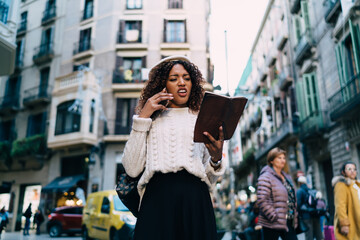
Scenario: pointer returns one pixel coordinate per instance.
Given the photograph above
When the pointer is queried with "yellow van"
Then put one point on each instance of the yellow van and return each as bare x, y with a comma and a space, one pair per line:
106, 217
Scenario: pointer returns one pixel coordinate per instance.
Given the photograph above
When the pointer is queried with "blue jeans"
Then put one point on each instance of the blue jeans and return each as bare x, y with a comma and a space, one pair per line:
27, 226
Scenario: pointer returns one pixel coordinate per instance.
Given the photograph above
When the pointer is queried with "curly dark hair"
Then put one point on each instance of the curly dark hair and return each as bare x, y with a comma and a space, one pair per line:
157, 82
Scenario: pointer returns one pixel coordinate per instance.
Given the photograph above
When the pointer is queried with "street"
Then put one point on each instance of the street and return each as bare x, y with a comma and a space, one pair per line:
33, 236
43, 236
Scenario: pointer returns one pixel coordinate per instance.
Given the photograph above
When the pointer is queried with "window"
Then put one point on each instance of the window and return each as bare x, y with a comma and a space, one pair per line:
78, 67
11, 98
67, 120
7, 131
105, 206
44, 79
175, 4
36, 124
125, 109
23, 21
175, 31
133, 4
4, 11
88, 9
130, 32
306, 91
129, 69
19, 58
85, 40
46, 41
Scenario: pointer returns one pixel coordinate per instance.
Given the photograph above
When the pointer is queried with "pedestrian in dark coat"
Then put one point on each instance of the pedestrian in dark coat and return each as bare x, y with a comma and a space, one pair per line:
38, 219
27, 214
4, 219
276, 199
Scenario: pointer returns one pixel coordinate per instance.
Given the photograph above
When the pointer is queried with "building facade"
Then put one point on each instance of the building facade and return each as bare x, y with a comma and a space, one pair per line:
321, 88
87, 63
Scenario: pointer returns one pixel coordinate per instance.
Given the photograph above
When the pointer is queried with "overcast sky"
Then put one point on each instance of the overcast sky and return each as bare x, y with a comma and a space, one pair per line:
241, 19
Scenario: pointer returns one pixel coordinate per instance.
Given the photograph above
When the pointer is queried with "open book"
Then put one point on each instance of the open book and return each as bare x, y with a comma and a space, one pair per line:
215, 111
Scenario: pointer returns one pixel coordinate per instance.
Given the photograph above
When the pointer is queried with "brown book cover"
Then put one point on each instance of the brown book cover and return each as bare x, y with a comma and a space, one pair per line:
215, 111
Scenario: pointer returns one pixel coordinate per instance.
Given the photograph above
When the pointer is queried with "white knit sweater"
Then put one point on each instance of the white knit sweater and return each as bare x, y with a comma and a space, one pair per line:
166, 145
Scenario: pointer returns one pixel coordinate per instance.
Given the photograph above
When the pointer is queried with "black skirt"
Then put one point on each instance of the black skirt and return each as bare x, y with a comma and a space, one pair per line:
176, 206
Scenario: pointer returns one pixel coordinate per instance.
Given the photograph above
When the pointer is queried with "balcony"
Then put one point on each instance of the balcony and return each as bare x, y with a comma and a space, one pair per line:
22, 28
29, 153
48, 15
114, 132
88, 13
4, 11
314, 125
271, 57
43, 54
130, 83
40, 95
67, 88
83, 49
346, 102
332, 10
295, 6
303, 48
285, 80
5, 157
286, 130
9, 104
131, 40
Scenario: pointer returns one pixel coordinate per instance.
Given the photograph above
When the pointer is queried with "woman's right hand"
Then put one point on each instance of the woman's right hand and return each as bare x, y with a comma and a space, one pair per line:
153, 103
344, 230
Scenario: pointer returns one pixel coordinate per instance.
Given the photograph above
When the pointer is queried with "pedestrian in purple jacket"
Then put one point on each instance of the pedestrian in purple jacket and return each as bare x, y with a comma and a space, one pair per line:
276, 199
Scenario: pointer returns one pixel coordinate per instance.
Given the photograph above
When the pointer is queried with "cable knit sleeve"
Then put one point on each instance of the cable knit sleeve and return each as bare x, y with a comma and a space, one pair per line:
264, 198
211, 173
135, 149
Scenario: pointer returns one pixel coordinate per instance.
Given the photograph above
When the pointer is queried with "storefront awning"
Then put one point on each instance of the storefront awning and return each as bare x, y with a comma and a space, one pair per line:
61, 184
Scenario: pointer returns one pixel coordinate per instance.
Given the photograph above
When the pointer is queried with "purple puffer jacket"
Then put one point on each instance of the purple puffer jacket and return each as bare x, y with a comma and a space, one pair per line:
272, 199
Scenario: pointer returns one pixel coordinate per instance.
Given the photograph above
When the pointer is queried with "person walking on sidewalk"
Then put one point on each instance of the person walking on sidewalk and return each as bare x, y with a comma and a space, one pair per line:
309, 215
38, 219
27, 214
347, 203
276, 199
177, 173
4, 219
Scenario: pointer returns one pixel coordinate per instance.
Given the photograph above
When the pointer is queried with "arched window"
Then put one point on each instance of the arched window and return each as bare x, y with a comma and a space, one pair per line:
67, 121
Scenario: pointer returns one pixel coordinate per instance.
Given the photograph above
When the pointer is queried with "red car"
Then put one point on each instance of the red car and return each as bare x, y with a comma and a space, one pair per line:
65, 220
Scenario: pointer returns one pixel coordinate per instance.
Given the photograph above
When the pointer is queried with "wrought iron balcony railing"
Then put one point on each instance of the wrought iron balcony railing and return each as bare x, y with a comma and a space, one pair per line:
128, 76
39, 94
303, 48
346, 99
313, 125
49, 14
43, 53
9, 102
82, 46
22, 27
129, 36
332, 9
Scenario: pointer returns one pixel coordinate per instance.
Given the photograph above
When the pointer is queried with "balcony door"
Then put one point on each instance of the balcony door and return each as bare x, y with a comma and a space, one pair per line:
85, 40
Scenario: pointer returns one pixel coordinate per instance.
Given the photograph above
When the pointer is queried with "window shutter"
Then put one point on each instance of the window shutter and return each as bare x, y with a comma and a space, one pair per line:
305, 15
185, 31
165, 31
355, 39
121, 31
29, 126
143, 62
314, 93
43, 122
297, 26
339, 61
300, 99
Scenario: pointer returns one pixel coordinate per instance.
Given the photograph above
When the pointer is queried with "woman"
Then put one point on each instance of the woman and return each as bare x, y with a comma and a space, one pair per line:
176, 172
276, 199
347, 203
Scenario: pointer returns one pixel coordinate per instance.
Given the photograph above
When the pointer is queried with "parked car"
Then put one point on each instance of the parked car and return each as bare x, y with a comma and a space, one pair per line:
106, 217
65, 220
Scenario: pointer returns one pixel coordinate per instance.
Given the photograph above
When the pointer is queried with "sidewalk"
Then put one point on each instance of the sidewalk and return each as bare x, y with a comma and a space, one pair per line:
227, 236
33, 236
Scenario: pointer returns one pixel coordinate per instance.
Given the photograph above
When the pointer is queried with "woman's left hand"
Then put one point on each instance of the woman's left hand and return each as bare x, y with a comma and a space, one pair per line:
215, 147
